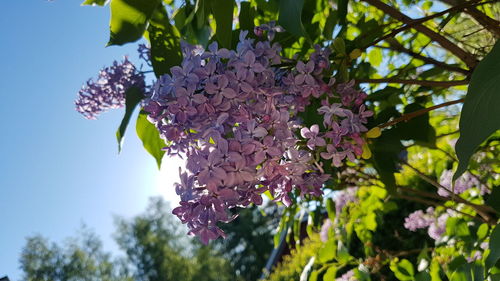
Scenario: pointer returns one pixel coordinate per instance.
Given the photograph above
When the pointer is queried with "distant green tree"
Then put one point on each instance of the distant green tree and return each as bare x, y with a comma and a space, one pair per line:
249, 240
81, 258
155, 245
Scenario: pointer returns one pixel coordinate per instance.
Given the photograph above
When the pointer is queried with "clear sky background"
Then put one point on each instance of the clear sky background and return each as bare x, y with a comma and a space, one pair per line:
58, 169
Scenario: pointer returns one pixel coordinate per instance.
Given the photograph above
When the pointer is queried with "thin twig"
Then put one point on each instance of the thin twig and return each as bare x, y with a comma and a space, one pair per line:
396, 46
428, 202
469, 59
414, 114
415, 22
441, 84
482, 210
492, 25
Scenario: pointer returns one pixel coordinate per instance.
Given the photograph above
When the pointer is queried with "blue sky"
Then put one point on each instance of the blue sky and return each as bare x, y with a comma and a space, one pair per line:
58, 169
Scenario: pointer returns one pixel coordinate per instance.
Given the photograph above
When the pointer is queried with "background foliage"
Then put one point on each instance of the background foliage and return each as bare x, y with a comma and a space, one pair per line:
418, 61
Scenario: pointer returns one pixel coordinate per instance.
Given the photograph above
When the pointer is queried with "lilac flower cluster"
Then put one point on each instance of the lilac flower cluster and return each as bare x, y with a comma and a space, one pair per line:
462, 184
344, 197
233, 115
108, 90
420, 220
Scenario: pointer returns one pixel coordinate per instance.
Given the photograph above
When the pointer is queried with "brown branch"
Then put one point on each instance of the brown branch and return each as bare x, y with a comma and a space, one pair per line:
458, 7
448, 134
483, 210
490, 24
414, 114
396, 46
443, 84
469, 59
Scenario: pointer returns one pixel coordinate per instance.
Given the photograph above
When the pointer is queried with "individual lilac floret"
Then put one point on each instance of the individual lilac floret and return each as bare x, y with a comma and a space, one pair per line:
462, 184
108, 90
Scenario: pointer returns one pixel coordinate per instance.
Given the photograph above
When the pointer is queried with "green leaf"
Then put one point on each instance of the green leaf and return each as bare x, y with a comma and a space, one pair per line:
328, 251
330, 208
290, 16
423, 276
386, 153
494, 199
457, 227
132, 97
314, 275
330, 23
343, 255
494, 255
247, 14
150, 137
94, 2
479, 117
468, 272
456, 263
129, 19
482, 231
330, 273
342, 9
223, 14
418, 128
435, 271
165, 43
403, 270
375, 56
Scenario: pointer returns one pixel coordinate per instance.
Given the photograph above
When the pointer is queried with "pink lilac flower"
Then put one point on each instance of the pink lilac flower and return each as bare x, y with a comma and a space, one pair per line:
108, 90
421, 220
462, 184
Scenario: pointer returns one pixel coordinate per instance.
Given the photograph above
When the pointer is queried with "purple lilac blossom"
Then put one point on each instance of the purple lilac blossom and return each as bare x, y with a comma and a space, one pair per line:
462, 184
108, 90
232, 115
438, 227
345, 197
420, 220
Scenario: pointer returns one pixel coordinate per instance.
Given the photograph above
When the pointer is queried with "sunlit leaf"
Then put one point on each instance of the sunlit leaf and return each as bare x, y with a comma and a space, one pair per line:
330, 273
150, 137
403, 270
132, 97
165, 43
129, 19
